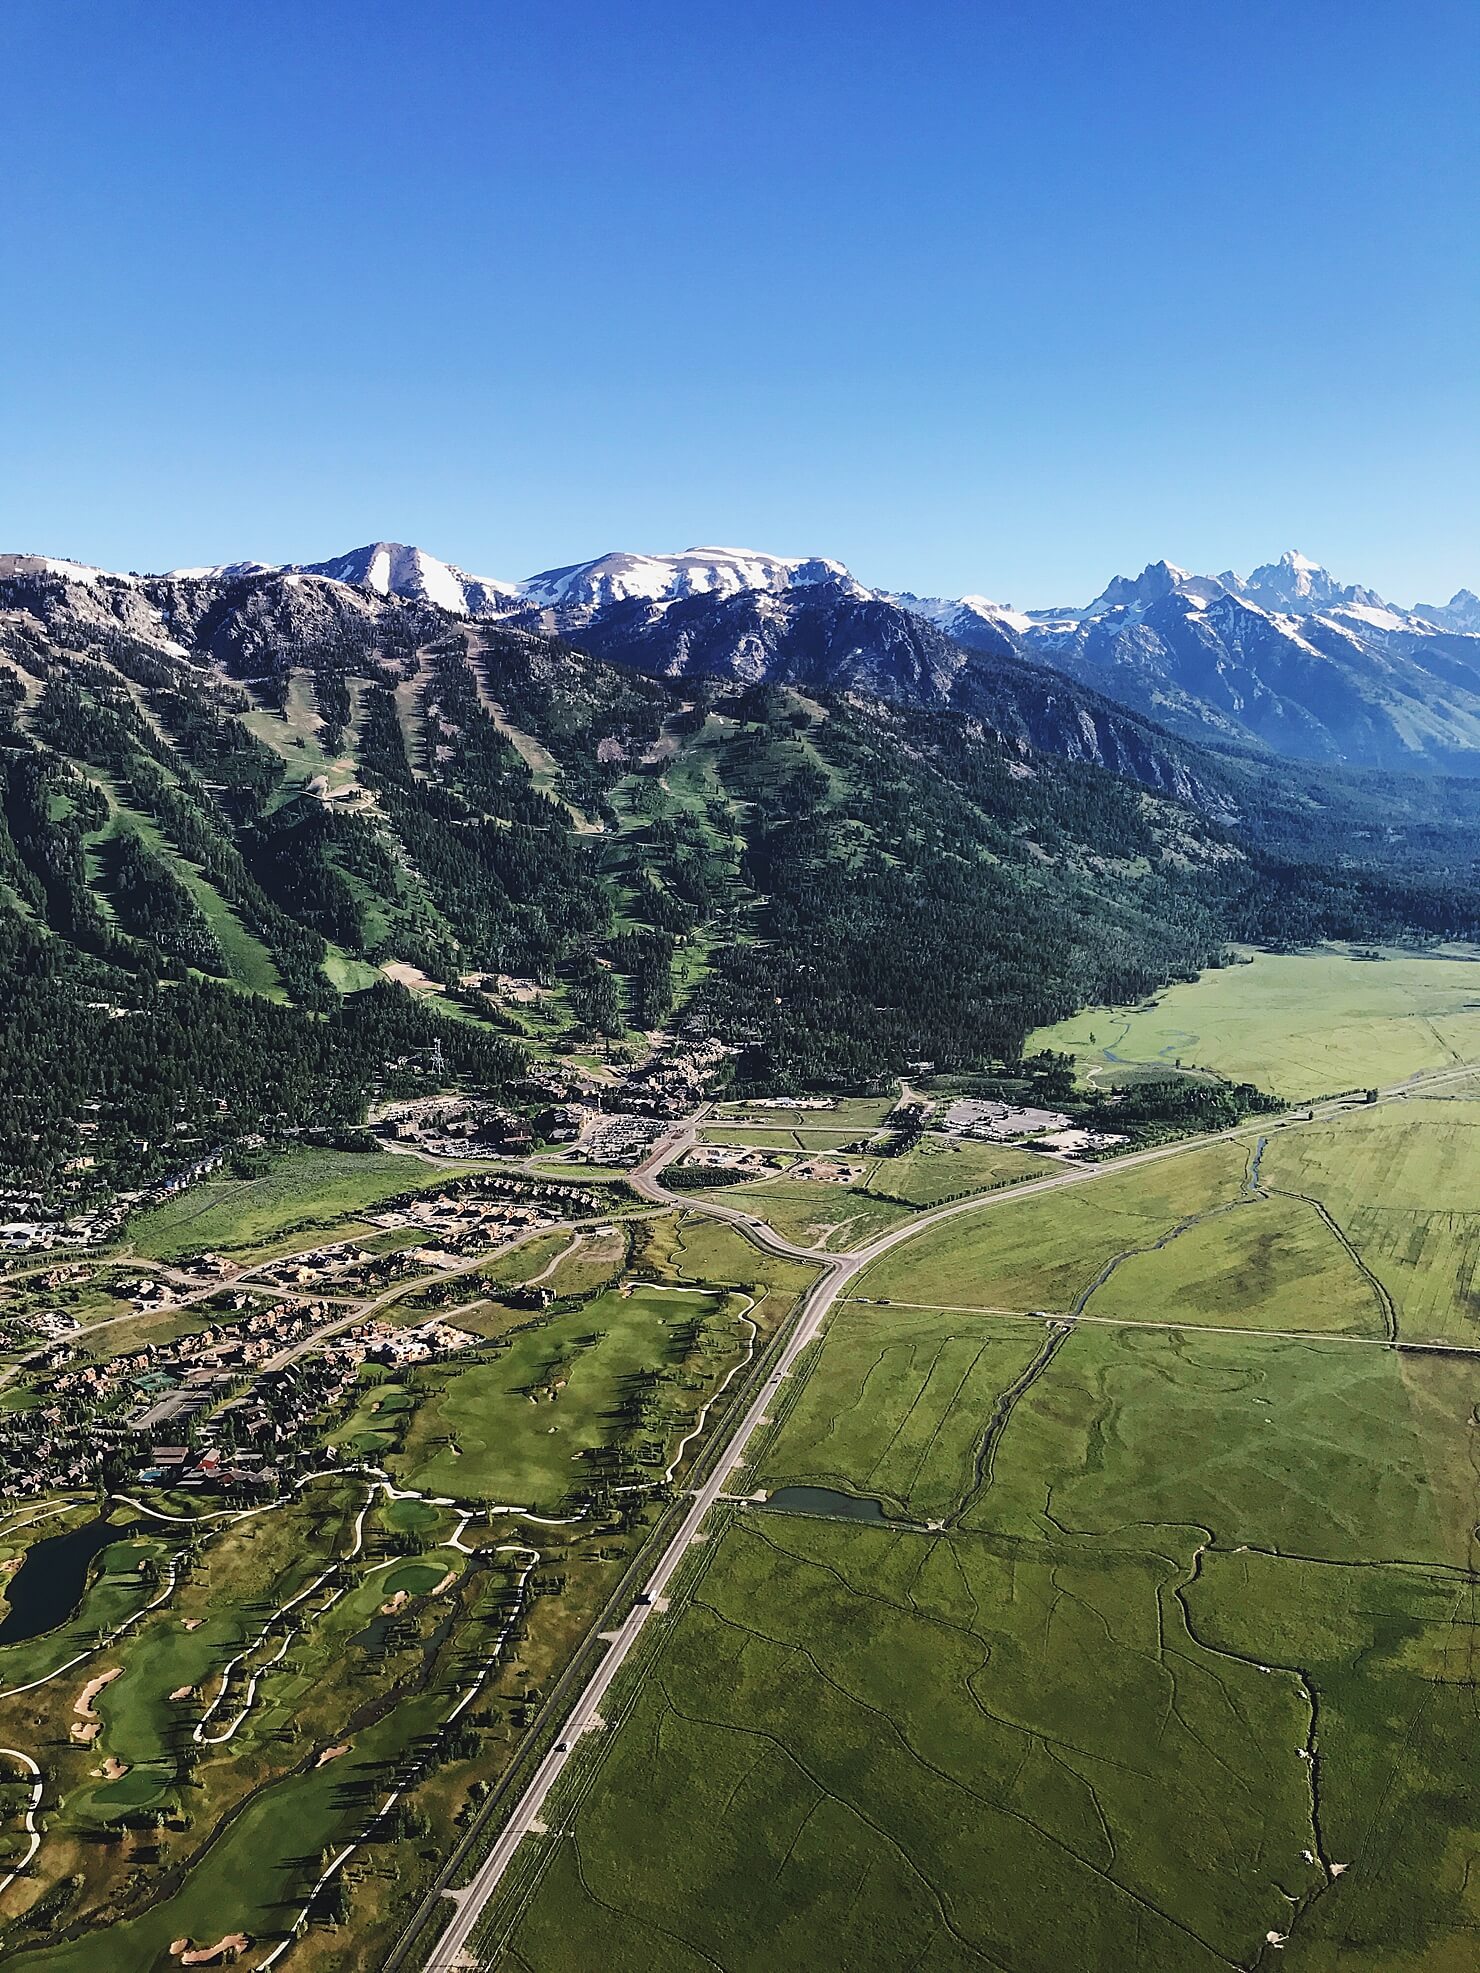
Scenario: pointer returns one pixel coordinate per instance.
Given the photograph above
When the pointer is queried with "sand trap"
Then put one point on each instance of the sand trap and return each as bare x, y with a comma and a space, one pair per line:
193, 1623
87, 1726
446, 1583
112, 1769
332, 1754
189, 1955
183, 1692
394, 1603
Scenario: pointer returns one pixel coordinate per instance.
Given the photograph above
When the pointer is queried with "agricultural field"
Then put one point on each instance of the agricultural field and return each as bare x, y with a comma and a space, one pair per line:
1132, 1632
1298, 1024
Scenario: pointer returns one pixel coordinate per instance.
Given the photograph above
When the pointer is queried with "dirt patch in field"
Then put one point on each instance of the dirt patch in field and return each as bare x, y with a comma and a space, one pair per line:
411, 977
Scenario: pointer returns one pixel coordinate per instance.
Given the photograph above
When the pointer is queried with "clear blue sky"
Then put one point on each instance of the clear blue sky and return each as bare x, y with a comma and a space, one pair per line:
976, 296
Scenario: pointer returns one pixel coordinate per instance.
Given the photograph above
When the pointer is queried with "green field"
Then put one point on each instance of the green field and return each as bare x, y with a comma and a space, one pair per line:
832, 1217
1046, 1251
302, 1188
1400, 1181
1163, 1661
522, 1426
816, 1213
779, 1137
1299, 1024
940, 1168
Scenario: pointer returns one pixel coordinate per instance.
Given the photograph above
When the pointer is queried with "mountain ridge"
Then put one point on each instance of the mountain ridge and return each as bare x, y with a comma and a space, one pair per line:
1286, 659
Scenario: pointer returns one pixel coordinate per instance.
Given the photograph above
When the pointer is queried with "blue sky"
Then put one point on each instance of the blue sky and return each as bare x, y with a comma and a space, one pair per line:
977, 297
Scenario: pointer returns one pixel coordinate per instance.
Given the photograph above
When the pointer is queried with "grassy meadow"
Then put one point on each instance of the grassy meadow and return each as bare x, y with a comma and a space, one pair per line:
522, 1426
1160, 1657
302, 1187
1299, 1024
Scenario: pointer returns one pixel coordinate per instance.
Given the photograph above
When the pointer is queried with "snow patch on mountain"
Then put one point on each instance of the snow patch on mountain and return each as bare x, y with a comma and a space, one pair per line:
58, 565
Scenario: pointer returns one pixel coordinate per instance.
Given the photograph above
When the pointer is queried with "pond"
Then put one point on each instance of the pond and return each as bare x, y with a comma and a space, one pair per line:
826, 1500
48, 1586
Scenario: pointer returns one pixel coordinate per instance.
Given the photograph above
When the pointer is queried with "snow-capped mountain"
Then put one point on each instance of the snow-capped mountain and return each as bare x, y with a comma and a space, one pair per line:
1461, 612
1299, 586
1286, 658
624, 578
390, 568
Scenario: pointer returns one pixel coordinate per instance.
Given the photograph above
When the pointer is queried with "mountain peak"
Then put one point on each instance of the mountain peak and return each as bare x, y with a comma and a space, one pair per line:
1132, 592
1461, 612
1297, 586
621, 577
394, 568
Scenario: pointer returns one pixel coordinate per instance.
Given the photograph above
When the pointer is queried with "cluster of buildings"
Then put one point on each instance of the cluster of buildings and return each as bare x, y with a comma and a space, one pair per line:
29, 1226
998, 1123
620, 1140
230, 1408
1007, 1123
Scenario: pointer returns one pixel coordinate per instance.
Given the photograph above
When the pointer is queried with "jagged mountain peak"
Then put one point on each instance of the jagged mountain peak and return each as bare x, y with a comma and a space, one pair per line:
1299, 586
1156, 580
1461, 612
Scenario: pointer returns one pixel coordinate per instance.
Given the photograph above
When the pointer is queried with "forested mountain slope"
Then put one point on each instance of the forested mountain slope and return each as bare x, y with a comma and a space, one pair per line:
240, 806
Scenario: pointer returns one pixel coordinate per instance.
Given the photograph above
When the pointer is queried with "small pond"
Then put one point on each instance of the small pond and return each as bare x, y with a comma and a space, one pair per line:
48, 1586
826, 1500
